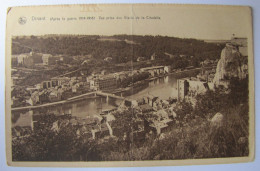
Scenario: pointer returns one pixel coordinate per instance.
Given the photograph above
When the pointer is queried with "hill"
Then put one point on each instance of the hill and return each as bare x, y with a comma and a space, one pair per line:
122, 48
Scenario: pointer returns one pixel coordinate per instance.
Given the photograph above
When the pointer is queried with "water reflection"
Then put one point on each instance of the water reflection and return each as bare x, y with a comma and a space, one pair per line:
22, 119
81, 109
164, 88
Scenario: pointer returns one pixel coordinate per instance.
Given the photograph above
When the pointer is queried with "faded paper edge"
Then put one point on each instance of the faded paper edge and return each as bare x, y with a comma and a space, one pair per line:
203, 161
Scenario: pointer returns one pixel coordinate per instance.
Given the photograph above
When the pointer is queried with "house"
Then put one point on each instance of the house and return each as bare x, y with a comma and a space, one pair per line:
155, 70
140, 59
146, 108
14, 60
29, 101
55, 95
38, 86
122, 75
172, 113
134, 104
103, 72
35, 98
87, 61
240, 41
167, 69
43, 96
74, 88
28, 61
153, 57
104, 130
93, 85
165, 103
73, 121
192, 86
138, 125
140, 101
182, 87
104, 83
158, 127
150, 100
21, 131
92, 121
36, 57
72, 82
147, 99
21, 57
108, 59
84, 130
241, 44
31, 89
160, 124
86, 85
162, 114
157, 103
45, 59
46, 84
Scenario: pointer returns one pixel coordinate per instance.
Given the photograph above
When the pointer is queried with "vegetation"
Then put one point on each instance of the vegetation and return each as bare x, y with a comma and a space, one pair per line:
135, 78
98, 48
90, 52
192, 136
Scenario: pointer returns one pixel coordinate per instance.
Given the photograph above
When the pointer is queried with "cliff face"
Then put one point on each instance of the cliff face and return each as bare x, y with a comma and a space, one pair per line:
231, 64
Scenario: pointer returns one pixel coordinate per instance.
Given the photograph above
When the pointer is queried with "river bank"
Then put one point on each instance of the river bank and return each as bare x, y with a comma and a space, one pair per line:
72, 99
126, 92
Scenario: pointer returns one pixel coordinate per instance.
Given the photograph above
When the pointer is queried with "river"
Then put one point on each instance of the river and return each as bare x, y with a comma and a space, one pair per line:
164, 87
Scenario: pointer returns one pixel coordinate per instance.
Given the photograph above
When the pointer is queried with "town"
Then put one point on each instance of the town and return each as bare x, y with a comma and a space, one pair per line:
64, 87
132, 120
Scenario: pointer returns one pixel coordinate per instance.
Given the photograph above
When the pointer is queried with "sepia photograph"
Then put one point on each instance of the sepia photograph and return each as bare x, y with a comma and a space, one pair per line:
129, 83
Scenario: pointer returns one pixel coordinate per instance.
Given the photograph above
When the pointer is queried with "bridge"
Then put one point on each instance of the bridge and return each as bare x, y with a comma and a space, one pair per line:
100, 93
127, 101
109, 95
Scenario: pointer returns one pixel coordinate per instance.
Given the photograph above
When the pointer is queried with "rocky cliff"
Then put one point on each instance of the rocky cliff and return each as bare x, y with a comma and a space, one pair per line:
231, 64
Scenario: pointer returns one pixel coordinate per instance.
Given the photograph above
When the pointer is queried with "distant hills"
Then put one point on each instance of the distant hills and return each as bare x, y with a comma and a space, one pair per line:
121, 48
216, 41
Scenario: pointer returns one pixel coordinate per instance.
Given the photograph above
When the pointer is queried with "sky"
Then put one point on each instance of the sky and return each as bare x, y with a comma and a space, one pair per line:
200, 22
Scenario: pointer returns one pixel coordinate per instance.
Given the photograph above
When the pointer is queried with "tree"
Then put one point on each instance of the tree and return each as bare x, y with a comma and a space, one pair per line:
183, 110
211, 102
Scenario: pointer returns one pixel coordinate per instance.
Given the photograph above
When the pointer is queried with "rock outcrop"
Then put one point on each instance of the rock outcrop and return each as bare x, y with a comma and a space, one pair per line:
231, 64
217, 120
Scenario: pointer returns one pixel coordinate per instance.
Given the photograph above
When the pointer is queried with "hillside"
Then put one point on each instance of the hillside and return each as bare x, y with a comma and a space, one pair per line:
121, 48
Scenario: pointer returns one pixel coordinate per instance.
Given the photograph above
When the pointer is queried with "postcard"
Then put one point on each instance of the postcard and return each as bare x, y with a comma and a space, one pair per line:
128, 85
